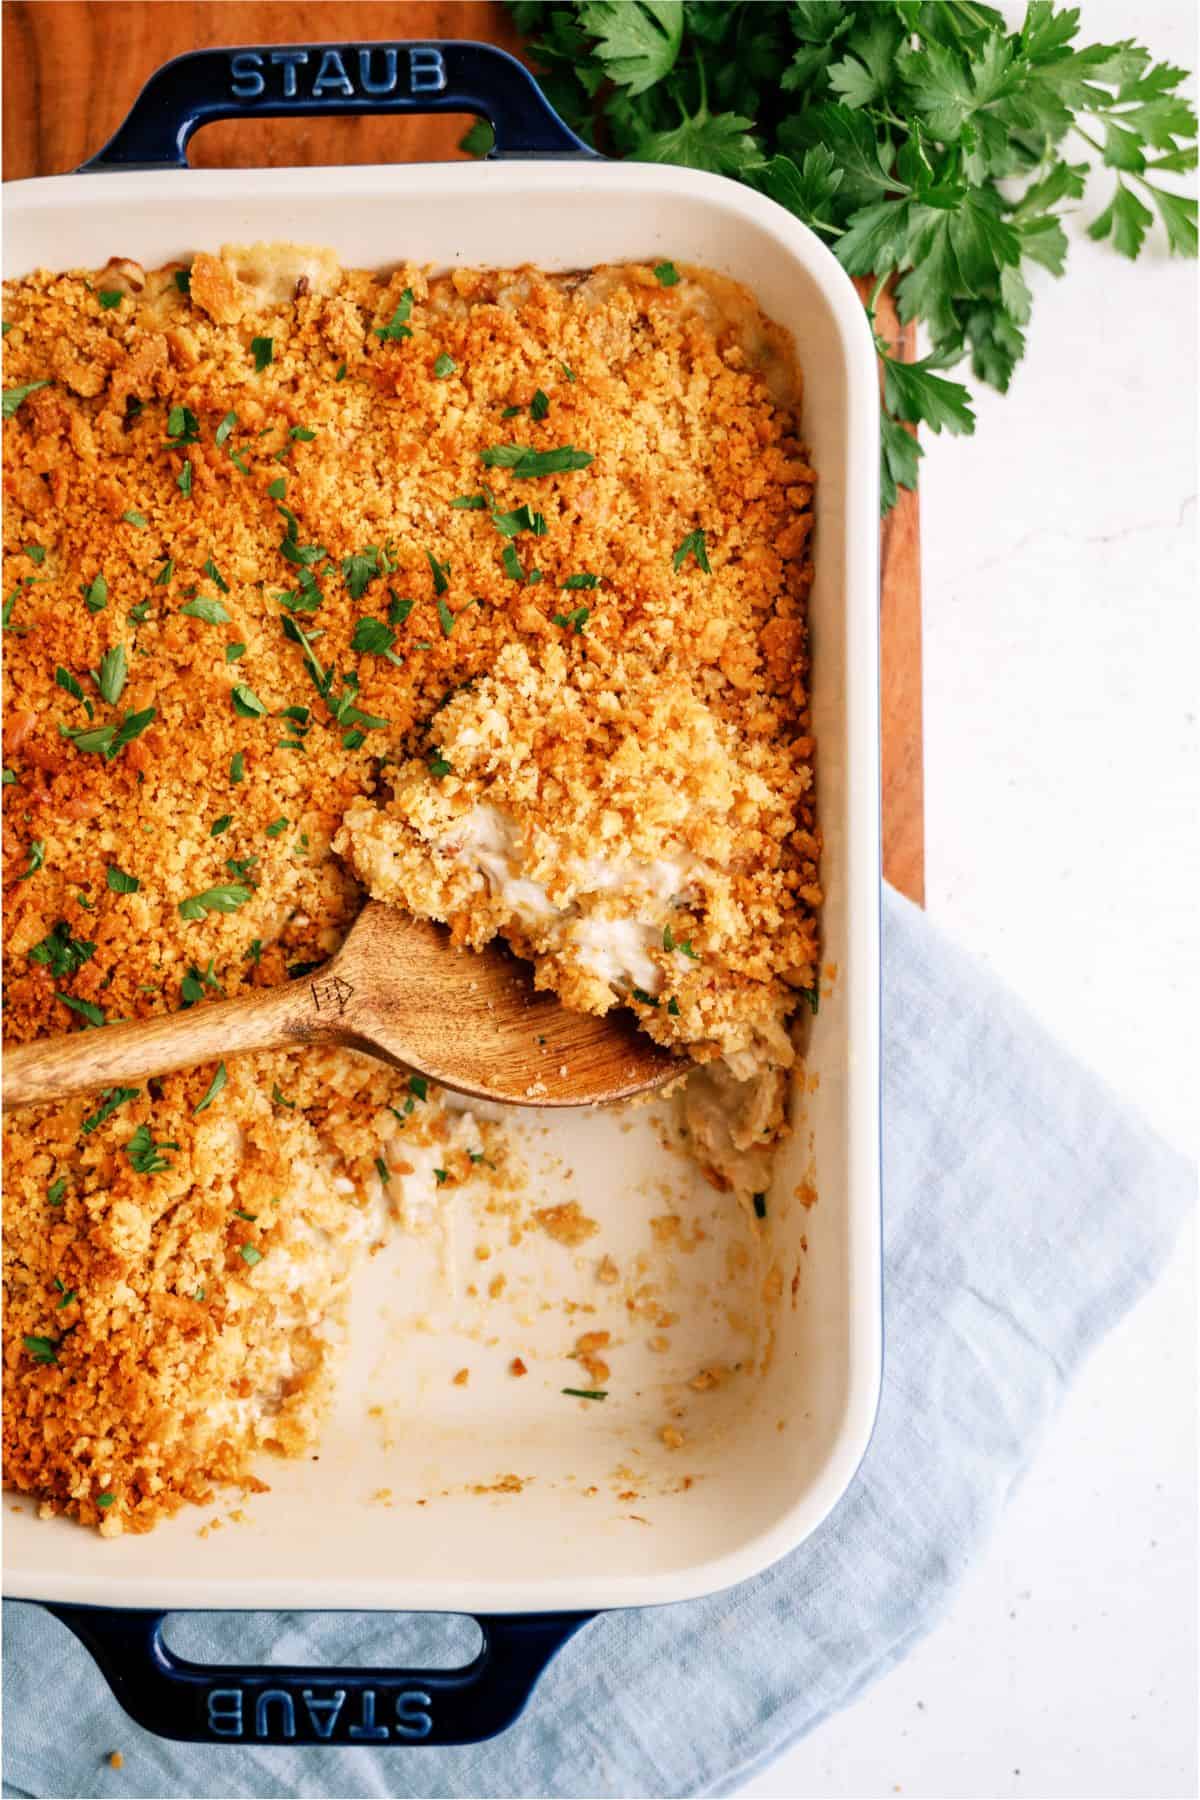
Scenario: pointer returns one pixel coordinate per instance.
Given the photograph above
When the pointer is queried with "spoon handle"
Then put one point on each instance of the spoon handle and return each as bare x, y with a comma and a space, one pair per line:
268, 1019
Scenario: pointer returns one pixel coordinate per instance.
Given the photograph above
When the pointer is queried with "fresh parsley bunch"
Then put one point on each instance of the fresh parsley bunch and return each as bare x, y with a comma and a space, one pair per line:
929, 146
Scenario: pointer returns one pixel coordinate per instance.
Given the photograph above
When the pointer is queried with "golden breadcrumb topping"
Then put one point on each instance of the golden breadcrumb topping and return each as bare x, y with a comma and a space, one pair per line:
309, 572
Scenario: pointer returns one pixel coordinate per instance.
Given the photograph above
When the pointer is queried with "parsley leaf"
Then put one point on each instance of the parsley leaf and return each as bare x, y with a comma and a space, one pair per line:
120, 883
145, 1155
692, 545
214, 1087
443, 367
264, 352
62, 954
525, 463
114, 672
666, 274
397, 326
225, 898
110, 1100
14, 396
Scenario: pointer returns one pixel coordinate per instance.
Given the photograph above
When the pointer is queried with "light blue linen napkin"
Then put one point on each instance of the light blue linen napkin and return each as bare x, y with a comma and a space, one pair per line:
1025, 1212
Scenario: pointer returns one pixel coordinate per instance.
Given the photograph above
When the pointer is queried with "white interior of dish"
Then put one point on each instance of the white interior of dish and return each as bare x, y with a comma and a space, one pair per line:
768, 1455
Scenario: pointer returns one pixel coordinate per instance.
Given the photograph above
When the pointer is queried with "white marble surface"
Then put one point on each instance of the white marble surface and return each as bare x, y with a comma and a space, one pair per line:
1060, 732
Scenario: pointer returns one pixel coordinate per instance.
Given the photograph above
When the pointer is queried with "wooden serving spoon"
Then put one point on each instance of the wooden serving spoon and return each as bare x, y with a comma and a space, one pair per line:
397, 989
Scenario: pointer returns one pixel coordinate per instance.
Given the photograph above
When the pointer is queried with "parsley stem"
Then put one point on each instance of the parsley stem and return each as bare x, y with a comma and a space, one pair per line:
873, 302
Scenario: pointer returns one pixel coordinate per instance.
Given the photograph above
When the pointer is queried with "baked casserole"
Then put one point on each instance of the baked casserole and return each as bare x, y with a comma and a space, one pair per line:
482, 593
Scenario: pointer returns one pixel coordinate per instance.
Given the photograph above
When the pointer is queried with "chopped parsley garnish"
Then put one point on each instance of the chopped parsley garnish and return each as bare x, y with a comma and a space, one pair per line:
37, 553
264, 352
692, 545
183, 427
119, 882
470, 503
254, 952
568, 372
110, 297
813, 996
214, 1087
62, 954
135, 518
223, 430
194, 984
94, 1015
509, 524
183, 481
673, 1007
577, 619
373, 638
418, 1085
583, 580
239, 1212
587, 1393
760, 1206
438, 766
237, 767
525, 463
183, 280
511, 412
278, 488
250, 1254
302, 434
512, 563
140, 613
105, 1500
445, 617
277, 826
280, 1098
399, 609
359, 569
63, 678
145, 1155
37, 858
443, 1175
539, 406
246, 702
108, 740
234, 652
14, 396
666, 274
341, 372
56, 1190
95, 593
110, 1100
439, 571
9, 777
42, 1349
224, 898
220, 825
385, 1174
397, 326
214, 575
165, 573
671, 942
68, 1294
114, 672
645, 998
445, 365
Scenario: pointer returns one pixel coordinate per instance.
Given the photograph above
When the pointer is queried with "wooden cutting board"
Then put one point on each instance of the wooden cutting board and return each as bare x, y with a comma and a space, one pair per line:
71, 70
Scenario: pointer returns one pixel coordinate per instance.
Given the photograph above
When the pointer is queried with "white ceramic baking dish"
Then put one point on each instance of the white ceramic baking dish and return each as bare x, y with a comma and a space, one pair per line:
771, 1453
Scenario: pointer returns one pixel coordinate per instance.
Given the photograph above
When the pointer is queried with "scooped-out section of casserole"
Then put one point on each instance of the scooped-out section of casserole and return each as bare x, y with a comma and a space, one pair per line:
482, 593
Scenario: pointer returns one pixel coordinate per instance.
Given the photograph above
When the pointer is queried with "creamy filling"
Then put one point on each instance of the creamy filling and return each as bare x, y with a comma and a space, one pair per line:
616, 949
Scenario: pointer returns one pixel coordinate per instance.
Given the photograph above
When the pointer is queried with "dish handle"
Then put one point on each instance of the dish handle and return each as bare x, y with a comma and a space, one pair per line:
269, 1704
453, 75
